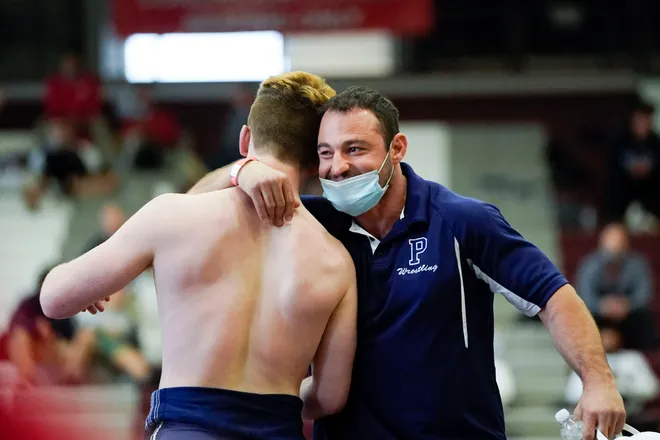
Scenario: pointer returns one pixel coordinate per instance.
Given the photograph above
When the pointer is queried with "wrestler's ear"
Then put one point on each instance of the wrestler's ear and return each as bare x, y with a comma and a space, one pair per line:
244, 141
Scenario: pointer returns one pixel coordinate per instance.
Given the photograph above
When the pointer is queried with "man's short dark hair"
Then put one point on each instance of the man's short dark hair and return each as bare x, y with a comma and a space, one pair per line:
357, 97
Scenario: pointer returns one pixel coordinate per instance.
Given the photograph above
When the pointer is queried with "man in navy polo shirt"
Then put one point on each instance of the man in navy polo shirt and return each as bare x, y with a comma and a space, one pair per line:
424, 367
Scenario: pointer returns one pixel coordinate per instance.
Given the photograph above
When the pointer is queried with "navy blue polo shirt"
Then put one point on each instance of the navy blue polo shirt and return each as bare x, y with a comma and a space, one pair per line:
424, 366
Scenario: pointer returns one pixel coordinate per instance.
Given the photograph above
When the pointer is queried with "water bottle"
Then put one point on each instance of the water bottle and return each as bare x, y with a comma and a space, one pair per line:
570, 428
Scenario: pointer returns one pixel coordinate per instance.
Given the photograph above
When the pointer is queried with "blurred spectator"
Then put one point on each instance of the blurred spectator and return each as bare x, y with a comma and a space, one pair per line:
111, 218
46, 351
62, 162
506, 381
227, 151
634, 167
149, 130
616, 285
115, 329
565, 171
148, 327
633, 374
73, 94
115, 334
149, 338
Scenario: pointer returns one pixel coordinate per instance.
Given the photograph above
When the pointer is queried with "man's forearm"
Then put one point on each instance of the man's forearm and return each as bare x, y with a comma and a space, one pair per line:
213, 181
576, 336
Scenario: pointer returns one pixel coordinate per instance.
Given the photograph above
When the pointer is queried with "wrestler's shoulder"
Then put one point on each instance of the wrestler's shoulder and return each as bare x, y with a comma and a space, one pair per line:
319, 240
167, 210
189, 200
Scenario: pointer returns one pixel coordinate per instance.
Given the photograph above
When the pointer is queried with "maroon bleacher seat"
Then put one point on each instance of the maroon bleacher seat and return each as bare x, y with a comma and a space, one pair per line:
3, 346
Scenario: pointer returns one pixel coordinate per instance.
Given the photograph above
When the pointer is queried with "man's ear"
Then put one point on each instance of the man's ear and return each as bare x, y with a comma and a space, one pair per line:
244, 141
398, 148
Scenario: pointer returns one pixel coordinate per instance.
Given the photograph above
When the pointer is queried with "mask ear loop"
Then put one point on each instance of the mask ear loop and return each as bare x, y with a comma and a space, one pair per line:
383, 164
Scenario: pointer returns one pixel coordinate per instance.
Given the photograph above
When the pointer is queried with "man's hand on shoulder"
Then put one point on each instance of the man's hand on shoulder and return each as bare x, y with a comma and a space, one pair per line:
270, 190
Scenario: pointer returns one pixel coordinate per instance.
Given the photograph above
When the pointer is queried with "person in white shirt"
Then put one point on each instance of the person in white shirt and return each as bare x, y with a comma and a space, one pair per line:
635, 379
506, 380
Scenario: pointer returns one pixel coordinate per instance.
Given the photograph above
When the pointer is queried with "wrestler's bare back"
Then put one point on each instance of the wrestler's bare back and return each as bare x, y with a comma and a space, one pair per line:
243, 306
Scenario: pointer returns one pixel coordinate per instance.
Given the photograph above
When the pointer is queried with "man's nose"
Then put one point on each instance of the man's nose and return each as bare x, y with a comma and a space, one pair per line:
340, 166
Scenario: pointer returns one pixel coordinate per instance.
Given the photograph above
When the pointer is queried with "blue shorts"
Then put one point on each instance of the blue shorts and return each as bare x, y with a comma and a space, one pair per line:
198, 413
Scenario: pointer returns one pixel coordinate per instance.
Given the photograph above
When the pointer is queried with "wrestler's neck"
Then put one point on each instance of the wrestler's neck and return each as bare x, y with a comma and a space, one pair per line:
380, 220
292, 172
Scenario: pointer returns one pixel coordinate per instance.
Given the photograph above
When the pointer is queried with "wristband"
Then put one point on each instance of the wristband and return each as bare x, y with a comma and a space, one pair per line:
237, 169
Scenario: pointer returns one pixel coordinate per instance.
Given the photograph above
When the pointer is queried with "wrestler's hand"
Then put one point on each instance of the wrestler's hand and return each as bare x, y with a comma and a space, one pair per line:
601, 406
270, 190
96, 307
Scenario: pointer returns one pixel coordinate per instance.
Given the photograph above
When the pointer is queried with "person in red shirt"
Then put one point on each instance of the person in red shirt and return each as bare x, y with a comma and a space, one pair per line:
73, 94
148, 129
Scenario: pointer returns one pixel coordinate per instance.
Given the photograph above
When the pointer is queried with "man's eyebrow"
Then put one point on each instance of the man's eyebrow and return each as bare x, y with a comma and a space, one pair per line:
355, 141
346, 142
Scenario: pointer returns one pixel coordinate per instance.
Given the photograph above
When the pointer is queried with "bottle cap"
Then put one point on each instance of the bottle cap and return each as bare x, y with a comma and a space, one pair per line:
562, 415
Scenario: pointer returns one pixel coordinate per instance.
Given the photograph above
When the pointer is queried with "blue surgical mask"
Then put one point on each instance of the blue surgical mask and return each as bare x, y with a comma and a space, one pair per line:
356, 195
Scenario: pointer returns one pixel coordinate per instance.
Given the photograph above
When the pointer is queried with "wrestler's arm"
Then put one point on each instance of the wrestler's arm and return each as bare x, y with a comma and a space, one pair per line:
270, 190
326, 390
106, 269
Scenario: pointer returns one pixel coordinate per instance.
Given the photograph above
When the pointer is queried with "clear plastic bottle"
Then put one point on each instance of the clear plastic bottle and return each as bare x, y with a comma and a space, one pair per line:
570, 428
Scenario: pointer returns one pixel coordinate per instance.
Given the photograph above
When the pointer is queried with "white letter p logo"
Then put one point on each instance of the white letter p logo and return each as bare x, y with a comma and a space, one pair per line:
417, 247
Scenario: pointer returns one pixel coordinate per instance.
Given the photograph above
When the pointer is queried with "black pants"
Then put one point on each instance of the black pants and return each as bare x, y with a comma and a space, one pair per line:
637, 329
623, 190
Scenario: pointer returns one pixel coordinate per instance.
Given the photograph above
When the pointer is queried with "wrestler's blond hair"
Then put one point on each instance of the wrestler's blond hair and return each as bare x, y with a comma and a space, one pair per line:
285, 116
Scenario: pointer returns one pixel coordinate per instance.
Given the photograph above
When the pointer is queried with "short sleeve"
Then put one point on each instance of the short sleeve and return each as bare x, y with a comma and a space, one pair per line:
501, 257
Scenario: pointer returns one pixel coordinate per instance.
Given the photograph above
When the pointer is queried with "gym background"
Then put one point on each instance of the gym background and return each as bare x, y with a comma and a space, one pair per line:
545, 108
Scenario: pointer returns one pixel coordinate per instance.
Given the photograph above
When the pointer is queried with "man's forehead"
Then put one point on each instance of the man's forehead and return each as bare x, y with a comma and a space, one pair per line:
357, 121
